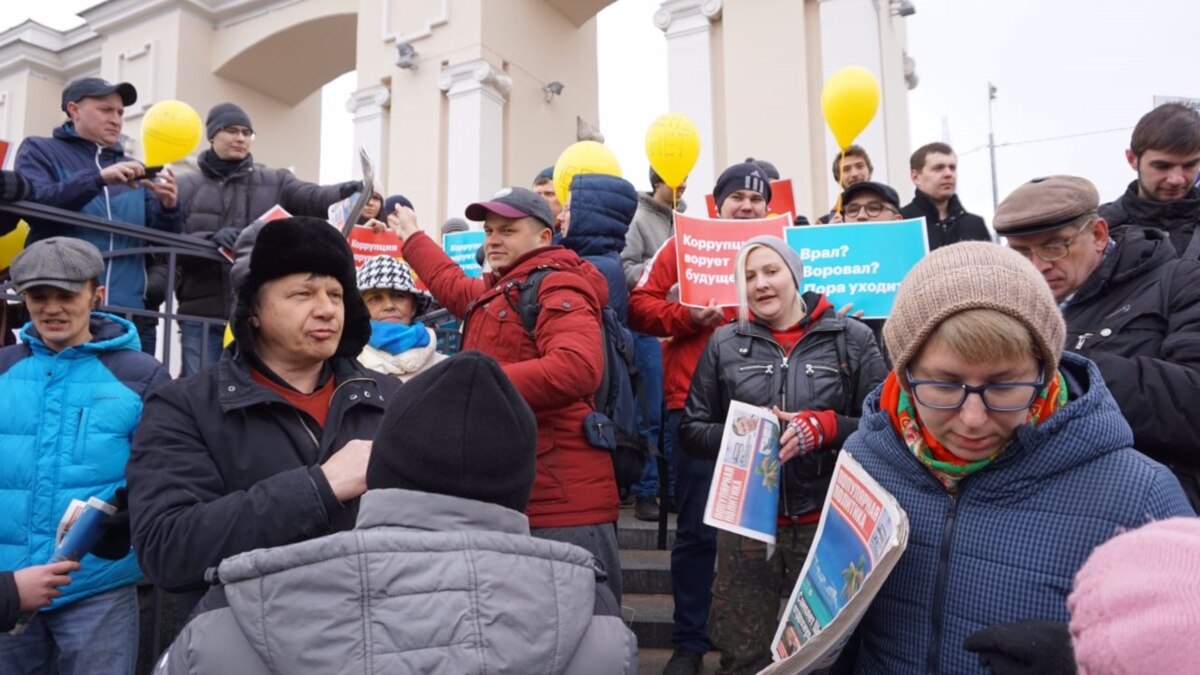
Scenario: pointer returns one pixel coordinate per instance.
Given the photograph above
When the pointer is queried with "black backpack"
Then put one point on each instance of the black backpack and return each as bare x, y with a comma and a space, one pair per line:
613, 424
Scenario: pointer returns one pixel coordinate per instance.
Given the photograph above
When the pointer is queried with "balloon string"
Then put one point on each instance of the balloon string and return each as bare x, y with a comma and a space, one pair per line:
837, 205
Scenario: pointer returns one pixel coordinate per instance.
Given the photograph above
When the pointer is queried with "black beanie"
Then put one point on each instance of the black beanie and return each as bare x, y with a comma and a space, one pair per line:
744, 176
459, 428
225, 115
289, 246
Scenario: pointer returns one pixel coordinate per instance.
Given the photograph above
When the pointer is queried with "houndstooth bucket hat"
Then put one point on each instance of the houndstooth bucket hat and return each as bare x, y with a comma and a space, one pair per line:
386, 272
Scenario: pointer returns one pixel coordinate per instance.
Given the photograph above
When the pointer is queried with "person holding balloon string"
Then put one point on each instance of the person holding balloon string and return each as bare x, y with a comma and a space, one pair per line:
83, 167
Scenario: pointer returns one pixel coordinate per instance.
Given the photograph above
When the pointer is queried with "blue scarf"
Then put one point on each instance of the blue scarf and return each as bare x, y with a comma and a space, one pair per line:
397, 338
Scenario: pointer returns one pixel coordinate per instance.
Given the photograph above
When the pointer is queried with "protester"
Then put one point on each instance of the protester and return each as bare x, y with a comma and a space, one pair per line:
31, 589
228, 193
1010, 458
742, 191
543, 185
653, 223
1134, 606
84, 168
72, 393
1130, 305
820, 408
594, 226
400, 345
371, 210
934, 171
270, 446
1164, 150
557, 368
855, 166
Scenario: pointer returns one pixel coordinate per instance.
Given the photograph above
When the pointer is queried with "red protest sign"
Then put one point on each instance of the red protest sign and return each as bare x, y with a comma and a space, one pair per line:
706, 251
366, 243
783, 200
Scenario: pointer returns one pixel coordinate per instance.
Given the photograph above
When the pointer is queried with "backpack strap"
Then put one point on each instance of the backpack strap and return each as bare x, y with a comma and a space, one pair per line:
528, 306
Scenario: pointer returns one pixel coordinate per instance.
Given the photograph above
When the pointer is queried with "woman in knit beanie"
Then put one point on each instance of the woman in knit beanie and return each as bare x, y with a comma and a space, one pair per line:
399, 345
1012, 461
790, 352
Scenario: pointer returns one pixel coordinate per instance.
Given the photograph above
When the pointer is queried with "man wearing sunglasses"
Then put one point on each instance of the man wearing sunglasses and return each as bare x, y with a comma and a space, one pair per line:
1130, 305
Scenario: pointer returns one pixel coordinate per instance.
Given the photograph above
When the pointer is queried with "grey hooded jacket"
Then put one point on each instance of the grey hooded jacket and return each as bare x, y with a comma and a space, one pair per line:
425, 583
652, 225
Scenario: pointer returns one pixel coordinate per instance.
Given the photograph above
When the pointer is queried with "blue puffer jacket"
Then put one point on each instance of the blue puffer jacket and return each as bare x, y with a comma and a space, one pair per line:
65, 173
68, 419
1007, 546
601, 208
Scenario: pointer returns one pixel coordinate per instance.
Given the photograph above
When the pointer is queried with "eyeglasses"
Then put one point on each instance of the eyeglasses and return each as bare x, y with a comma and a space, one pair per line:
997, 396
1054, 251
872, 208
238, 131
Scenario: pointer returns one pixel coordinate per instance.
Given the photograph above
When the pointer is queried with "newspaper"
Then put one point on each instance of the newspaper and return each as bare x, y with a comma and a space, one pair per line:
744, 495
863, 532
344, 214
274, 213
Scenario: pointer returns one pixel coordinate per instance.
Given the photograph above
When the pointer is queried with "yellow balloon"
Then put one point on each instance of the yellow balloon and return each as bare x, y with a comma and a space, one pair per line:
672, 145
582, 157
849, 100
12, 243
170, 131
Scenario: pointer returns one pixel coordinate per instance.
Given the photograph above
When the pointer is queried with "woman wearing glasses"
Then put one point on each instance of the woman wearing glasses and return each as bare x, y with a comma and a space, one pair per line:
1011, 460
794, 354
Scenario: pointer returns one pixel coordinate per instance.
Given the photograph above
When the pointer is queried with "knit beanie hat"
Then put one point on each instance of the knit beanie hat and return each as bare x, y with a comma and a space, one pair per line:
459, 428
973, 275
386, 272
224, 115
789, 255
744, 176
390, 204
1132, 611
767, 167
289, 246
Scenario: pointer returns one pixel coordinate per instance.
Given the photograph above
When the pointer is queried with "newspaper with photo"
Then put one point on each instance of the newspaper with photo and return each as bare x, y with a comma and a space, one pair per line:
744, 495
862, 534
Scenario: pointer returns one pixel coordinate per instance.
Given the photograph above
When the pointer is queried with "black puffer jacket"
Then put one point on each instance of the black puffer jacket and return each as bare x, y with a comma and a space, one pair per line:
221, 465
958, 225
213, 203
748, 365
1138, 318
1178, 219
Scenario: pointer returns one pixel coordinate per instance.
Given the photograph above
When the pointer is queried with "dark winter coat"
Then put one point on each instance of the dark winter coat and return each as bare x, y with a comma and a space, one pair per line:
601, 208
958, 225
1007, 546
10, 602
65, 173
1179, 219
557, 370
221, 465
213, 203
744, 363
1138, 318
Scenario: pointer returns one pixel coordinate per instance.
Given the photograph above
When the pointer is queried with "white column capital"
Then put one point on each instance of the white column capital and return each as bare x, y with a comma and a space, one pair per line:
369, 100
475, 75
687, 15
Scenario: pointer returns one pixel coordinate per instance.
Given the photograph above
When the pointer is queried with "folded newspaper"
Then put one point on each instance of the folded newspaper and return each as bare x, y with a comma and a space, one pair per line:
744, 495
863, 532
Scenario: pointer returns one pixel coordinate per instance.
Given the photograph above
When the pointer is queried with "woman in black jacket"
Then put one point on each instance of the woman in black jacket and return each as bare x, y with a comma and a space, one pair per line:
794, 354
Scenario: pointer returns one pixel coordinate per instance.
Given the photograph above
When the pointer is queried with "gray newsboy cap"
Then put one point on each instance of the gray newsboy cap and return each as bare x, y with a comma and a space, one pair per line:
1046, 204
61, 262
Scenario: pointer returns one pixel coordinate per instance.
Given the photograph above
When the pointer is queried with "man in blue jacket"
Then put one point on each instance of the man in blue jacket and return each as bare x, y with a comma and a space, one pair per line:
84, 168
72, 394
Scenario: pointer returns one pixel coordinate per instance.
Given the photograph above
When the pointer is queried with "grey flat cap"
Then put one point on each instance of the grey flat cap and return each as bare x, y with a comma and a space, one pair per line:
62, 262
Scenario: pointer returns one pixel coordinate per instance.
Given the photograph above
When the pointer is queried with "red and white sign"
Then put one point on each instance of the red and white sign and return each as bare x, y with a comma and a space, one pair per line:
706, 252
366, 243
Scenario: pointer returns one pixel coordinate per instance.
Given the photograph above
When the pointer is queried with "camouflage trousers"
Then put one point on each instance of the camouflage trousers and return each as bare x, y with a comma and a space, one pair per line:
748, 593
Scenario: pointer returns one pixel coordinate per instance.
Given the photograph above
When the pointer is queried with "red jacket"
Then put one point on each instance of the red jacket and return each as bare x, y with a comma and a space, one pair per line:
557, 374
654, 309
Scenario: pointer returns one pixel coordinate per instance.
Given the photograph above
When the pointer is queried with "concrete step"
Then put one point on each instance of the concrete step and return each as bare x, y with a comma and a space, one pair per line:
649, 616
652, 661
646, 571
640, 534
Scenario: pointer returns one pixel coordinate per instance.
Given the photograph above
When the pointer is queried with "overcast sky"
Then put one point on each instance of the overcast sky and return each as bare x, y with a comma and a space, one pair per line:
1062, 68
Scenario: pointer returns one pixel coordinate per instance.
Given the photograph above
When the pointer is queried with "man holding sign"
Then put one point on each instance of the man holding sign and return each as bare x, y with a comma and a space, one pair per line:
742, 192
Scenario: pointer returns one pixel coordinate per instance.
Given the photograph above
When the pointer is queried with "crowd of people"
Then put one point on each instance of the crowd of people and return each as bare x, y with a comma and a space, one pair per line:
330, 492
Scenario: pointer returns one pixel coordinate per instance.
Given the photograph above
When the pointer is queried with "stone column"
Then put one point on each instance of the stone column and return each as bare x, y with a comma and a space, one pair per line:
476, 92
688, 26
370, 107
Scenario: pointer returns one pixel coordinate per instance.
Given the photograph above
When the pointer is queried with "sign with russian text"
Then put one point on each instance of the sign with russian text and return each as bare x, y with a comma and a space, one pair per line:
859, 263
706, 251
461, 247
366, 243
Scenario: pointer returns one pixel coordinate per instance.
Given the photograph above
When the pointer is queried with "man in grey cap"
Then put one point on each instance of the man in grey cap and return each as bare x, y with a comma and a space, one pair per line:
1130, 305
72, 393
84, 168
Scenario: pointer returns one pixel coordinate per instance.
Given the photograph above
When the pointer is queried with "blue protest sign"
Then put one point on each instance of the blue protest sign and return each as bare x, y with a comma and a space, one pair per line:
859, 263
461, 247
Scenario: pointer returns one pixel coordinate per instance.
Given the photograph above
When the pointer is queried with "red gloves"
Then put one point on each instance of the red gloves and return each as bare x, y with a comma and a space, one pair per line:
814, 429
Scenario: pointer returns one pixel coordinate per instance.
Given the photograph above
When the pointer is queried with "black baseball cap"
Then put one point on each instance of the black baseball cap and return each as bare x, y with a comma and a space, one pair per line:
513, 202
93, 87
889, 195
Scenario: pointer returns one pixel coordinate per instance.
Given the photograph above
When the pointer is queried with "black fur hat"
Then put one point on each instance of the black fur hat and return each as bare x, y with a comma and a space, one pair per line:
292, 245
